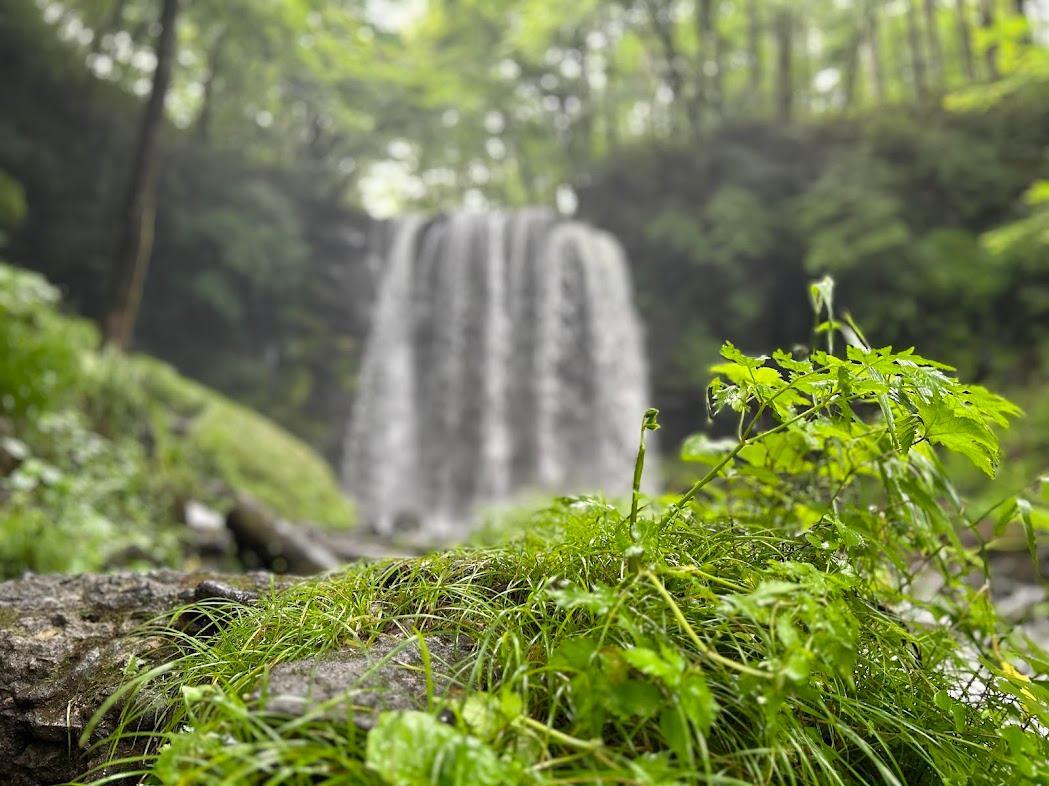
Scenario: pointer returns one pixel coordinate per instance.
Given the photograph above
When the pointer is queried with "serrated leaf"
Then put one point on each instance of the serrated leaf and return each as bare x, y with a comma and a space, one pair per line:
961, 434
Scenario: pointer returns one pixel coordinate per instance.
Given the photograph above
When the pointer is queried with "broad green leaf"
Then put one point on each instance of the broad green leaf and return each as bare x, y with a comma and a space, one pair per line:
416, 749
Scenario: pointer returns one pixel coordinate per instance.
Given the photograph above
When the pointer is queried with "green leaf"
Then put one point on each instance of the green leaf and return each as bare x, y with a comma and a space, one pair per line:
961, 434
416, 749
654, 664
598, 600
703, 449
674, 727
634, 698
1024, 509
698, 703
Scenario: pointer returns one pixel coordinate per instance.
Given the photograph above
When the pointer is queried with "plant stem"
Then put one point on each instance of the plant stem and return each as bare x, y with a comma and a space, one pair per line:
744, 441
648, 423
560, 736
701, 645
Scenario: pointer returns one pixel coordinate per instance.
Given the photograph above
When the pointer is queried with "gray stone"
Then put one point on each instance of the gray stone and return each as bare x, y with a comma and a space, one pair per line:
64, 644
207, 527
358, 683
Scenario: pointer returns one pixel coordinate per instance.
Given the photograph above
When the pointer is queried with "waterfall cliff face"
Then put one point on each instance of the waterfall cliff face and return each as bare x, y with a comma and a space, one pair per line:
505, 354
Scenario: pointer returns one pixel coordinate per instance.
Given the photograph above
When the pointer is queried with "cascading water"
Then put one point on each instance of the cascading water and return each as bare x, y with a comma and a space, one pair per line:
505, 354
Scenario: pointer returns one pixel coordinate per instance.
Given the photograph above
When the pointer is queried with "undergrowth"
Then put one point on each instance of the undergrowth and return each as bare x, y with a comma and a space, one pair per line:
766, 627
102, 448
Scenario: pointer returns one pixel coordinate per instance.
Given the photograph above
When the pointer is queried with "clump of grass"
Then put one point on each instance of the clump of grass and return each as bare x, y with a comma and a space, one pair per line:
763, 628
731, 657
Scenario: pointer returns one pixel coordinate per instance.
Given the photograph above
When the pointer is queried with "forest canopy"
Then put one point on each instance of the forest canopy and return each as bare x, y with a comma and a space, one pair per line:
737, 147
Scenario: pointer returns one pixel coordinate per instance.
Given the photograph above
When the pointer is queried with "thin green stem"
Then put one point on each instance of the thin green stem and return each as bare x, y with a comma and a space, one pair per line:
701, 645
744, 442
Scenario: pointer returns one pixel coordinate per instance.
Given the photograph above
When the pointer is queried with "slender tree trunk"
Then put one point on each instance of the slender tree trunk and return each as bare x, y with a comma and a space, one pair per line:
709, 82
805, 50
1020, 9
663, 26
609, 116
589, 110
784, 24
991, 52
207, 101
965, 39
917, 56
874, 48
852, 67
136, 237
932, 34
756, 74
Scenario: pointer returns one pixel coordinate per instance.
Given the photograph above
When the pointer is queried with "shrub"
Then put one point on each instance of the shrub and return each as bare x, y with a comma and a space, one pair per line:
75, 486
40, 349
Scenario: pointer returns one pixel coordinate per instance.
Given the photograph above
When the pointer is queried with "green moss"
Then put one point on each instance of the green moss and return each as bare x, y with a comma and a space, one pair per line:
204, 438
252, 454
9, 619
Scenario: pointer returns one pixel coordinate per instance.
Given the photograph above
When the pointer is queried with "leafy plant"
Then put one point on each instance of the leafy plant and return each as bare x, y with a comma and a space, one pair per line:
40, 349
74, 486
766, 627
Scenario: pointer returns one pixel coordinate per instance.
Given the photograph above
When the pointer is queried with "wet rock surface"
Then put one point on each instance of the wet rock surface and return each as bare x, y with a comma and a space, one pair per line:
64, 644
359, 683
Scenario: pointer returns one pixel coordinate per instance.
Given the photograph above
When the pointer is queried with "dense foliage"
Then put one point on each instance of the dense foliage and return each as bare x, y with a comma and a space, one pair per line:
251, 288
767, 627
103, 449
914, 132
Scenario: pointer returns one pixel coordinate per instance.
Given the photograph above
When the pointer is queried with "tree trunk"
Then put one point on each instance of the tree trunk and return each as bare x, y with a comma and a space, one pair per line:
784, 24
1020, 9
709, 82
610, 119
852, 67
663, 26
136, 238
932, 33
917, 56
874, 49
756, 76
991, 52
965, 39
207, 101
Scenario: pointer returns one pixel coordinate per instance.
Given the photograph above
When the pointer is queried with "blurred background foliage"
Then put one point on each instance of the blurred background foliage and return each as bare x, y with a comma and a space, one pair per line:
737, 148
101, 451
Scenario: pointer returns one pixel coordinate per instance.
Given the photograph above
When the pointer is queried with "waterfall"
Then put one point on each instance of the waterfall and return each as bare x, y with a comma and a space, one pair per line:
505, 354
